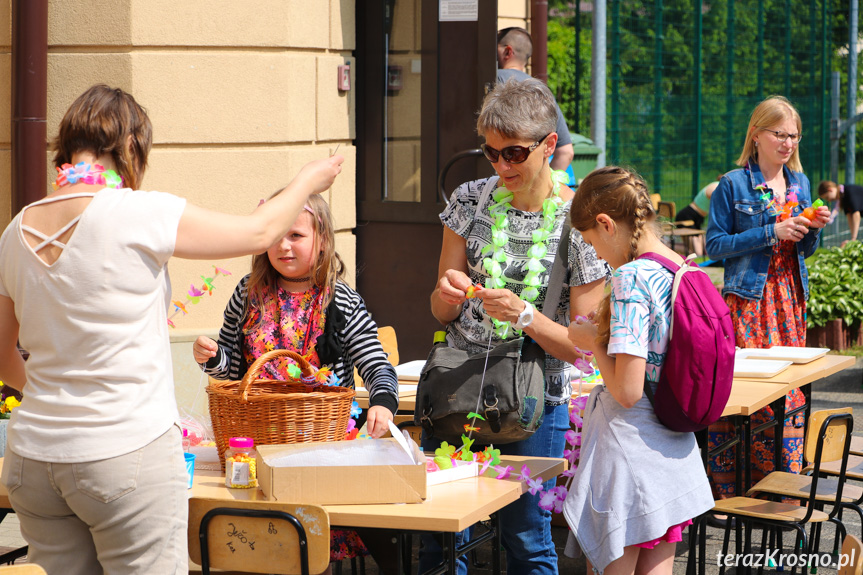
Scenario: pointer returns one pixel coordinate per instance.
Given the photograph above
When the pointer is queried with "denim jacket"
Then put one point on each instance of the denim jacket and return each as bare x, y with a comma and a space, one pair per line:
740, 230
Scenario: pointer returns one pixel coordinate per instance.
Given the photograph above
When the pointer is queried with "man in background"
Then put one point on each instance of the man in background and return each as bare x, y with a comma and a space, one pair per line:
514, 48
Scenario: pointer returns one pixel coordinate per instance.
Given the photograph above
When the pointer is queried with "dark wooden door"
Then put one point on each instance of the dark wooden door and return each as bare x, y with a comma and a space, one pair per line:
420, 83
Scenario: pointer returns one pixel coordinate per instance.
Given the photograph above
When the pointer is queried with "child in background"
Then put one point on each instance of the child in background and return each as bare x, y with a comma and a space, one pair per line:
295, 299
622, 514
850, 197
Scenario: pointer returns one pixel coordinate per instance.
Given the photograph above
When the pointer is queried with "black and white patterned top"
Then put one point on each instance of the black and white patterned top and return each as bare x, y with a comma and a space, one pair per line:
470, 331
358, 338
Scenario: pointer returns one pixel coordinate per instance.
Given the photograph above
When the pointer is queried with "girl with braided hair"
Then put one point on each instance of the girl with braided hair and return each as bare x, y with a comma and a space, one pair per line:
620, 510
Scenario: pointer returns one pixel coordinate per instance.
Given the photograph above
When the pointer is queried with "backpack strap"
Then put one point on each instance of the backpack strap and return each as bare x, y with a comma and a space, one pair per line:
678, 272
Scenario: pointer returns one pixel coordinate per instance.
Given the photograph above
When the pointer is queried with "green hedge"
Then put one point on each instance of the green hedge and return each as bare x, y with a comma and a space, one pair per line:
836, 285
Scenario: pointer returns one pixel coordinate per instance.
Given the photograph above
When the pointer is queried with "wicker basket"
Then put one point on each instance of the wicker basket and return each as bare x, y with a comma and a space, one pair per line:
274, 411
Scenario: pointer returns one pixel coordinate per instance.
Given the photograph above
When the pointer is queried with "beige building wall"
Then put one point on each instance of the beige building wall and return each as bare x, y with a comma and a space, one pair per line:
513, 13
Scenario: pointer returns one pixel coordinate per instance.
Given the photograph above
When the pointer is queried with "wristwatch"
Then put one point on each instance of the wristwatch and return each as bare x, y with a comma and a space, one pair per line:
525, 317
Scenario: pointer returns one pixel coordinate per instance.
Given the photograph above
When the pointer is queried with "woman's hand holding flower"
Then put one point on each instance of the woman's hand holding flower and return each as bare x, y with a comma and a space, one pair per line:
452, 287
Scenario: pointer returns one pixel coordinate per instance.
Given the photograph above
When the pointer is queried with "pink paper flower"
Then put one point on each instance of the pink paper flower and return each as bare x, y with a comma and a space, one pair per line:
534, 485
505, 472
548, 500
525, 473
579, 403
584, 366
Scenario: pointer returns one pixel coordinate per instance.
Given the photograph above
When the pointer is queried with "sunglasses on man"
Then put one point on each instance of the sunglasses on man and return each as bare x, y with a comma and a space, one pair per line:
511, 154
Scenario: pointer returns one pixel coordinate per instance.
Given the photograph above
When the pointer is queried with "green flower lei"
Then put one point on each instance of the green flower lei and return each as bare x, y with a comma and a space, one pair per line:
499, 238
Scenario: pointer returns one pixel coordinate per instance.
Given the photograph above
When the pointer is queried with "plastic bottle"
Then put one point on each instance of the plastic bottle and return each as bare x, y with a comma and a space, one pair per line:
240, 463
187, 441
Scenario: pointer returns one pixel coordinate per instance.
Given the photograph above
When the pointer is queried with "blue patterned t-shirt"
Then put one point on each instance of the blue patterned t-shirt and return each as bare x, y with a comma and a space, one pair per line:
641, 313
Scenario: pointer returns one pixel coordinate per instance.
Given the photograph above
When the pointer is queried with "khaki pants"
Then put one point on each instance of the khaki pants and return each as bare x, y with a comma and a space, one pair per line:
125, 515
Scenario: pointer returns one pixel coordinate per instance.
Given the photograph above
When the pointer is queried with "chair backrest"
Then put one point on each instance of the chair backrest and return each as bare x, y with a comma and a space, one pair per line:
23, 569
850, 561
654, 200
258, 536
834, 441
828, 438
666, 210
387, 336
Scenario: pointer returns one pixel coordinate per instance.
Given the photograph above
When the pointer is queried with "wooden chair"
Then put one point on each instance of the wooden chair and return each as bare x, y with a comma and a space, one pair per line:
797, 486
666, 212
387, 336
259, 536
856, 445
23, 569
828, 439
852, 547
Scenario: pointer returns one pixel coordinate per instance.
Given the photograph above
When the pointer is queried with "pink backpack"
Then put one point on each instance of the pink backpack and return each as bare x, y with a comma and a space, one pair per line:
695, 380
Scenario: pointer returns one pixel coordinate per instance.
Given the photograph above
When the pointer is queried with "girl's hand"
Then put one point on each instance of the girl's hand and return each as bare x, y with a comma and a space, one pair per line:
376, 420
793, 229
204, 348
583, 335
822, 217
452, 287
321, 174
501, 304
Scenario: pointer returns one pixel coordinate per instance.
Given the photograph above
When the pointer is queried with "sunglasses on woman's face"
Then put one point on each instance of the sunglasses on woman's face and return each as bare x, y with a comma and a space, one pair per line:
511, 154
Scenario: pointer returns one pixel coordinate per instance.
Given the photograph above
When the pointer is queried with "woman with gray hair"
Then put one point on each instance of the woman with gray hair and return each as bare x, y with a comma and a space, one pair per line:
520, 213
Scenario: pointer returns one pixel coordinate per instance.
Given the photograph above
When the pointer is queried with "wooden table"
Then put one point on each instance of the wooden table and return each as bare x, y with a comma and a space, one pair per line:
449, 508
748, 395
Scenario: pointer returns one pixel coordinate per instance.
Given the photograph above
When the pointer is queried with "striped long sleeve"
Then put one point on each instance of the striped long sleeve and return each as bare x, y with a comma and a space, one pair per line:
360, 344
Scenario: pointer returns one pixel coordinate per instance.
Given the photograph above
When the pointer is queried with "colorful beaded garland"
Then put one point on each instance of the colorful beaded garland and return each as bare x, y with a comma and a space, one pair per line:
84, 173
499, 238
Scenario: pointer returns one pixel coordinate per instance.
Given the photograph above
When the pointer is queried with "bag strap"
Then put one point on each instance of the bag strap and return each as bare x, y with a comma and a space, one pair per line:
483, 196
558, 269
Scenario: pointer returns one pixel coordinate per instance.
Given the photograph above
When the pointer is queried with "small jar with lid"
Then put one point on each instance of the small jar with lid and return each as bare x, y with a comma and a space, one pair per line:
240, 463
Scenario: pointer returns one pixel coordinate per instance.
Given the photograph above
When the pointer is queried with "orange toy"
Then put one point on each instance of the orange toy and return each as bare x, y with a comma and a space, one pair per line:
809, 213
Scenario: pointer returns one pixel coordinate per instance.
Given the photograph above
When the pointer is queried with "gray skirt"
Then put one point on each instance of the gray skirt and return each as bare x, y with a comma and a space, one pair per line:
636, 478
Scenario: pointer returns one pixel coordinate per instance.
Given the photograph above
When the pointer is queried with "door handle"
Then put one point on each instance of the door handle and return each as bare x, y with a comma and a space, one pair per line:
441, 180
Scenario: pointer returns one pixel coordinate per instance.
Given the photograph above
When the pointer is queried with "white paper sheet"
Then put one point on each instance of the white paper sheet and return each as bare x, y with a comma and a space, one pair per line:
784, 353
410, 371
758, 367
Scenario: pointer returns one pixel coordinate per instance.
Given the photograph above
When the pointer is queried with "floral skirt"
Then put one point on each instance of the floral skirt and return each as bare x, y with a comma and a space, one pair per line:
778, 318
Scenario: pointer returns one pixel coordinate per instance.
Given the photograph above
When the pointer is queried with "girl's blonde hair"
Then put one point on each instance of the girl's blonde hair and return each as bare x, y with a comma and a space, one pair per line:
327, 269
771, 112
623, 196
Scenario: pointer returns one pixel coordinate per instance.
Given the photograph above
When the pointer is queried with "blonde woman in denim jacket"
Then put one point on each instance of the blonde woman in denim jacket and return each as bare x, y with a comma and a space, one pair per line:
766, 284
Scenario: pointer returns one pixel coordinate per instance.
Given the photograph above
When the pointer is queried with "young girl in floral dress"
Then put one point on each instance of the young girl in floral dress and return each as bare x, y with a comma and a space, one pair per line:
294, 299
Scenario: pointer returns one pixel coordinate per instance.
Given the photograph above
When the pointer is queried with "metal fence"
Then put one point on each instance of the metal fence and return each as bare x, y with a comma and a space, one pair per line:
684, 77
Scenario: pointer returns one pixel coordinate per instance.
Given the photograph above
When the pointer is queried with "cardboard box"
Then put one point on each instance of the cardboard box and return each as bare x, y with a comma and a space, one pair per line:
342, 472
